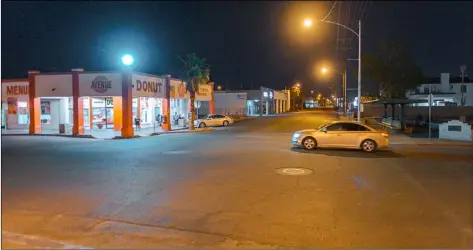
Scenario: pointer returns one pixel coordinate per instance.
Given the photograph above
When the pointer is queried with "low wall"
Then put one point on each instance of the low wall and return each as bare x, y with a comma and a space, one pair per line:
438, 113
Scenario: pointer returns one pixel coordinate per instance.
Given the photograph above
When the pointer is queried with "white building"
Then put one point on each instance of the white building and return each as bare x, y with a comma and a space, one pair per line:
446, 90
251, 102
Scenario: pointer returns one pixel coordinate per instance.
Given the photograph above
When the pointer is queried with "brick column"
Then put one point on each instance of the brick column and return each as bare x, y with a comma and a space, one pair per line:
34, 104
127, 102
77, 105
167, 104
212, 99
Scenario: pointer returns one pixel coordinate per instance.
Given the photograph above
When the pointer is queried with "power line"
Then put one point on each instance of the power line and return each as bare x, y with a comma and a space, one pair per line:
330, 11
338, 28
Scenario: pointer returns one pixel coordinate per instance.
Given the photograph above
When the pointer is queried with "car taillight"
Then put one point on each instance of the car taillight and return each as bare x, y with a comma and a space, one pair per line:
385, 134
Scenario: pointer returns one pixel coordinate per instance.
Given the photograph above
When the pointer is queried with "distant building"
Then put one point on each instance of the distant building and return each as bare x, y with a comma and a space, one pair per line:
446, 90
264, 101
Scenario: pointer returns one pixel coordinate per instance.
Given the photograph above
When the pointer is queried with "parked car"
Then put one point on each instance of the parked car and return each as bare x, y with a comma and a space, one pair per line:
341, 134
213, 120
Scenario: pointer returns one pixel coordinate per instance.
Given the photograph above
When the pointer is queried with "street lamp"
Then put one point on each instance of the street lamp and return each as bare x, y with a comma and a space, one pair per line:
219, 87
127, 60
344, 86
308, 23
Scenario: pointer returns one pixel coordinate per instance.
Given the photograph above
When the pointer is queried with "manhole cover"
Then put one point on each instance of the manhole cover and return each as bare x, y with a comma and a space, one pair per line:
293, 171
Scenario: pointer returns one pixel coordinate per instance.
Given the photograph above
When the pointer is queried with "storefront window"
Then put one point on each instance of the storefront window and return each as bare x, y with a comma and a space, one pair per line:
134, 108
23, 113
98, 112
45, 112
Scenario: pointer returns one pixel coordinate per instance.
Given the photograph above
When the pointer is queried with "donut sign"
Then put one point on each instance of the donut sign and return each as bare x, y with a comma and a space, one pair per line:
148, 86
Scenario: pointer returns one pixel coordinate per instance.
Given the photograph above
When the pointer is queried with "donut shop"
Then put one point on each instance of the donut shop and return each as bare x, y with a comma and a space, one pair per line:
83, 102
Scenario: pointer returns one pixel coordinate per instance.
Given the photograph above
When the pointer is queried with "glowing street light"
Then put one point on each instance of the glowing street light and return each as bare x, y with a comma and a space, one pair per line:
307, 22
219, 87
127, 60
344, 85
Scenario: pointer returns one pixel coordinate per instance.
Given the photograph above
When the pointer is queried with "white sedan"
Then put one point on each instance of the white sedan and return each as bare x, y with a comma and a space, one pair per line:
213, 120
342, 135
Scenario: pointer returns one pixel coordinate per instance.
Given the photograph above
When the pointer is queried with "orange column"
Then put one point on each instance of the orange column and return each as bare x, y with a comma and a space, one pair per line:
212, 99
34, 104
117, 113
167, 104
127, 100
77, 105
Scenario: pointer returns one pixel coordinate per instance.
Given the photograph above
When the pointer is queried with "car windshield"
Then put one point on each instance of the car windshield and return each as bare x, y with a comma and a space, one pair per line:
321, 126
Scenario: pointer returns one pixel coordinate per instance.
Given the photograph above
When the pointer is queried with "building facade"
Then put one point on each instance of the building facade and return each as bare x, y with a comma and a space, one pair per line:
446, 90
97, 100
264, 101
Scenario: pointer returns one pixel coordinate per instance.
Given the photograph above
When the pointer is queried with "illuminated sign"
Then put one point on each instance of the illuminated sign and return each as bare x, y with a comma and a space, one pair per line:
17, 90
153, 87
101, 84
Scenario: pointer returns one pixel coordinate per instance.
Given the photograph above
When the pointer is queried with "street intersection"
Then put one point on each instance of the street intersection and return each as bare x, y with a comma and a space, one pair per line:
232, 188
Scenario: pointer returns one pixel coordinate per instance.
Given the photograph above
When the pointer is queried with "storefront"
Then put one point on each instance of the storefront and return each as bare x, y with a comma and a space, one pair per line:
148, 93
15, 113
85, 101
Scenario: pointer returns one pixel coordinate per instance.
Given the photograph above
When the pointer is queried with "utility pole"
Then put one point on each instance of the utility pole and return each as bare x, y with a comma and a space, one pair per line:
359, 70
462, 70
430, 111
345, 92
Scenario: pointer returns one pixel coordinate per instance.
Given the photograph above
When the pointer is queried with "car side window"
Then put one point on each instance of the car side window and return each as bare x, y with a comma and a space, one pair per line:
354, 127
219, 116
336, 127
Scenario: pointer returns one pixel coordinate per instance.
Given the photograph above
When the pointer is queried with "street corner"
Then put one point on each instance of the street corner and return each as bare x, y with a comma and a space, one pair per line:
12, 240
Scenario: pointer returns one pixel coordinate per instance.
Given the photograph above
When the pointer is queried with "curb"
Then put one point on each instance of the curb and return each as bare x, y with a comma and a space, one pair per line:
56, 135
444, 145
187, 131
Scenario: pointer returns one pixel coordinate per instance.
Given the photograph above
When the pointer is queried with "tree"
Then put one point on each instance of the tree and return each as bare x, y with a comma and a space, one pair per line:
194, 72
392, 69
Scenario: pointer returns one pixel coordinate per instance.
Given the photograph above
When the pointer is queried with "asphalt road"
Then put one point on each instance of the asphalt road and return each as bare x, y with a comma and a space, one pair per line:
225, 189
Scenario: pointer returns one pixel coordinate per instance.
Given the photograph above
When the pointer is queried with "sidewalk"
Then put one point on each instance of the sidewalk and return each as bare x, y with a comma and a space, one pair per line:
402, 139
106, 133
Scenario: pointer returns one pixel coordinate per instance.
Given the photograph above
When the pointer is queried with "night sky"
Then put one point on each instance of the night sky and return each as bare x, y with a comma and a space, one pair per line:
248, 44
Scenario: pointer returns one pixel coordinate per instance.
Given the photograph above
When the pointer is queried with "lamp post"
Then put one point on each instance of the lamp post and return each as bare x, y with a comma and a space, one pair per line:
308, 23
462, 70
295, 89
344, 86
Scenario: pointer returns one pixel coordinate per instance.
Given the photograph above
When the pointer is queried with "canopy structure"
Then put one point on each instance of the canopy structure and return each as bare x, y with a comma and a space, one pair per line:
393, 103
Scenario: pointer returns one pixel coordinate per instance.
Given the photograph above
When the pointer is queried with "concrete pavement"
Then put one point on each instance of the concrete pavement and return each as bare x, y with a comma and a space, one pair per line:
224, 189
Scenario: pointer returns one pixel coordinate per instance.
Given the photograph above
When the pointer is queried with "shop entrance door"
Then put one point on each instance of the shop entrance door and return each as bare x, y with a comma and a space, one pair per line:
109, 112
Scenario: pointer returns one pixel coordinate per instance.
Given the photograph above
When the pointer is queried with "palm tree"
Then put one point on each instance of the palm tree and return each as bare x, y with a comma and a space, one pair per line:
194, 72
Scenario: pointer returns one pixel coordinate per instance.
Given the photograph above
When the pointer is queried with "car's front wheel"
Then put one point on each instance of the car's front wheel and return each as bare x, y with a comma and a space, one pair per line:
225, 123
368, 146
202, 125
309, 143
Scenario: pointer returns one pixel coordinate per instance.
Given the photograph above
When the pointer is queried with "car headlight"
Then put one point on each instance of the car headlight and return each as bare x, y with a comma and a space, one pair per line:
296, 135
